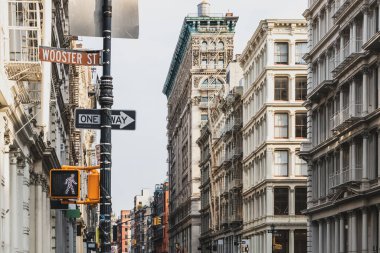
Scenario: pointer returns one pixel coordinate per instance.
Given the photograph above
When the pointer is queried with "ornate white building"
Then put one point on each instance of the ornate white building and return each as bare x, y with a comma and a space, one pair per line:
35, 129
274, 125
221, 146
343, 126
197, 71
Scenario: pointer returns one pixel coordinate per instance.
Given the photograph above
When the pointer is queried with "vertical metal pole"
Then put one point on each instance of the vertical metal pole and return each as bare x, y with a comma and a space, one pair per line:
106, 102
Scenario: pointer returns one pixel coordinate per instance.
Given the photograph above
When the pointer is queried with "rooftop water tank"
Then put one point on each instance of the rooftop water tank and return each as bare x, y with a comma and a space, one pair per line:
204, 8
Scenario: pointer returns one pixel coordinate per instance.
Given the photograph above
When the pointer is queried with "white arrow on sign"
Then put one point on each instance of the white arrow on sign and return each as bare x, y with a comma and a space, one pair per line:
123, 120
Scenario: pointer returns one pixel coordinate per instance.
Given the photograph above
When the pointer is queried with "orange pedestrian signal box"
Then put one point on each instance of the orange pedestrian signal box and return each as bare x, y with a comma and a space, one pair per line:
93, 185
64, 184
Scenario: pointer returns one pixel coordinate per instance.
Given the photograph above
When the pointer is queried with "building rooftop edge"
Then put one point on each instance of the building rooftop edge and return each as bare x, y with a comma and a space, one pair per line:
266, 22
179, 51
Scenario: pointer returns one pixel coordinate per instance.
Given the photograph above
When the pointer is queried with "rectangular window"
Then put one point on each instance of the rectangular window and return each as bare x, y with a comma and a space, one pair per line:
281, 163
301, 125
281, 53
212, 64
281, 125
281, 85
281, 201
301, 88
281, 241
204, 117
301, 50
300, 201
220, 64
204, 64
300, 241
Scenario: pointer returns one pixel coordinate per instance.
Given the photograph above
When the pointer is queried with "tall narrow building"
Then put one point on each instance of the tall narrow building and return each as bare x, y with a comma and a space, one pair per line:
344, 125
197, 71
274, 125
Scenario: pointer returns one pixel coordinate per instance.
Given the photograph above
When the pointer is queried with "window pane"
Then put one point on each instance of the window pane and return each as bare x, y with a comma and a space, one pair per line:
281, 163
300, 241
301, 50
281, 241
281, 53
281, 88
301, 88
281, 125
281, 201
300, 202
301, 125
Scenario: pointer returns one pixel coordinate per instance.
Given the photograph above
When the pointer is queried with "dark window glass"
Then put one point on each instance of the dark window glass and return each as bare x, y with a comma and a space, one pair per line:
281, 201
301, 125
281, 88
281, 241
300, 241
281, 53
300, 201
301, 88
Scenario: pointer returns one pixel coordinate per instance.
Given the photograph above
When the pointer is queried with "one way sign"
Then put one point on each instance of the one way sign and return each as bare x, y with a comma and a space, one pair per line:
90, 119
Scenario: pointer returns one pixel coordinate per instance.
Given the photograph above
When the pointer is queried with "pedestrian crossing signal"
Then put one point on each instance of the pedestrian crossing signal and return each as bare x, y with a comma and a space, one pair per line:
64, 184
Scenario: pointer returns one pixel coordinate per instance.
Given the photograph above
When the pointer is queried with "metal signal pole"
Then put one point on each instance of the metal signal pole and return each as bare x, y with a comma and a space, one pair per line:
106, 102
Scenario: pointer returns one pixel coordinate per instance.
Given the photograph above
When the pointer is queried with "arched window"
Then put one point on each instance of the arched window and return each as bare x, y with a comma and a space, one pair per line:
212, 82
204, 46
220, 45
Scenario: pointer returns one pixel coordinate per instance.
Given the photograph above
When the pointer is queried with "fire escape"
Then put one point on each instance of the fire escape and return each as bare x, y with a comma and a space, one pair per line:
75, 135
25, 22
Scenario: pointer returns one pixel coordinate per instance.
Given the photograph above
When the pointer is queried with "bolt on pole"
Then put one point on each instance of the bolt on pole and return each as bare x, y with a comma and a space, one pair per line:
106, 102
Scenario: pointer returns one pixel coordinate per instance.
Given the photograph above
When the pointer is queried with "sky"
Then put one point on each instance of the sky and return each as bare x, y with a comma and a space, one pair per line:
139, 68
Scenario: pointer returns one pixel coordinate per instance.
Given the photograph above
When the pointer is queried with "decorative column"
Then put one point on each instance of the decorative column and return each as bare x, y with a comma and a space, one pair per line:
320, 235
33, 178
319, 126
341, 58
319, 26
341, 234
354, 233
365, 24
336, 235
365, 156
270, 201
327, 122
354, 41
353, 97
328, 235
20, 204
39, 217
319, 172
365, 90
351, 38
14, 242
292, 201
341, 165
309, 184
364, 230
353, 160
291, 240
327, 71
341, 106
268, 163
327, 174
25, 205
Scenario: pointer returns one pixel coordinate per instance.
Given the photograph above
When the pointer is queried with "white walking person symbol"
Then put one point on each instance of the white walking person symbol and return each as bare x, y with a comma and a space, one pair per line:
69, 182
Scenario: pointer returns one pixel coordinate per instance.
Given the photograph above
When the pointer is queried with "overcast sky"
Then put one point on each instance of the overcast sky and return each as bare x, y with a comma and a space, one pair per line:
139, 68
